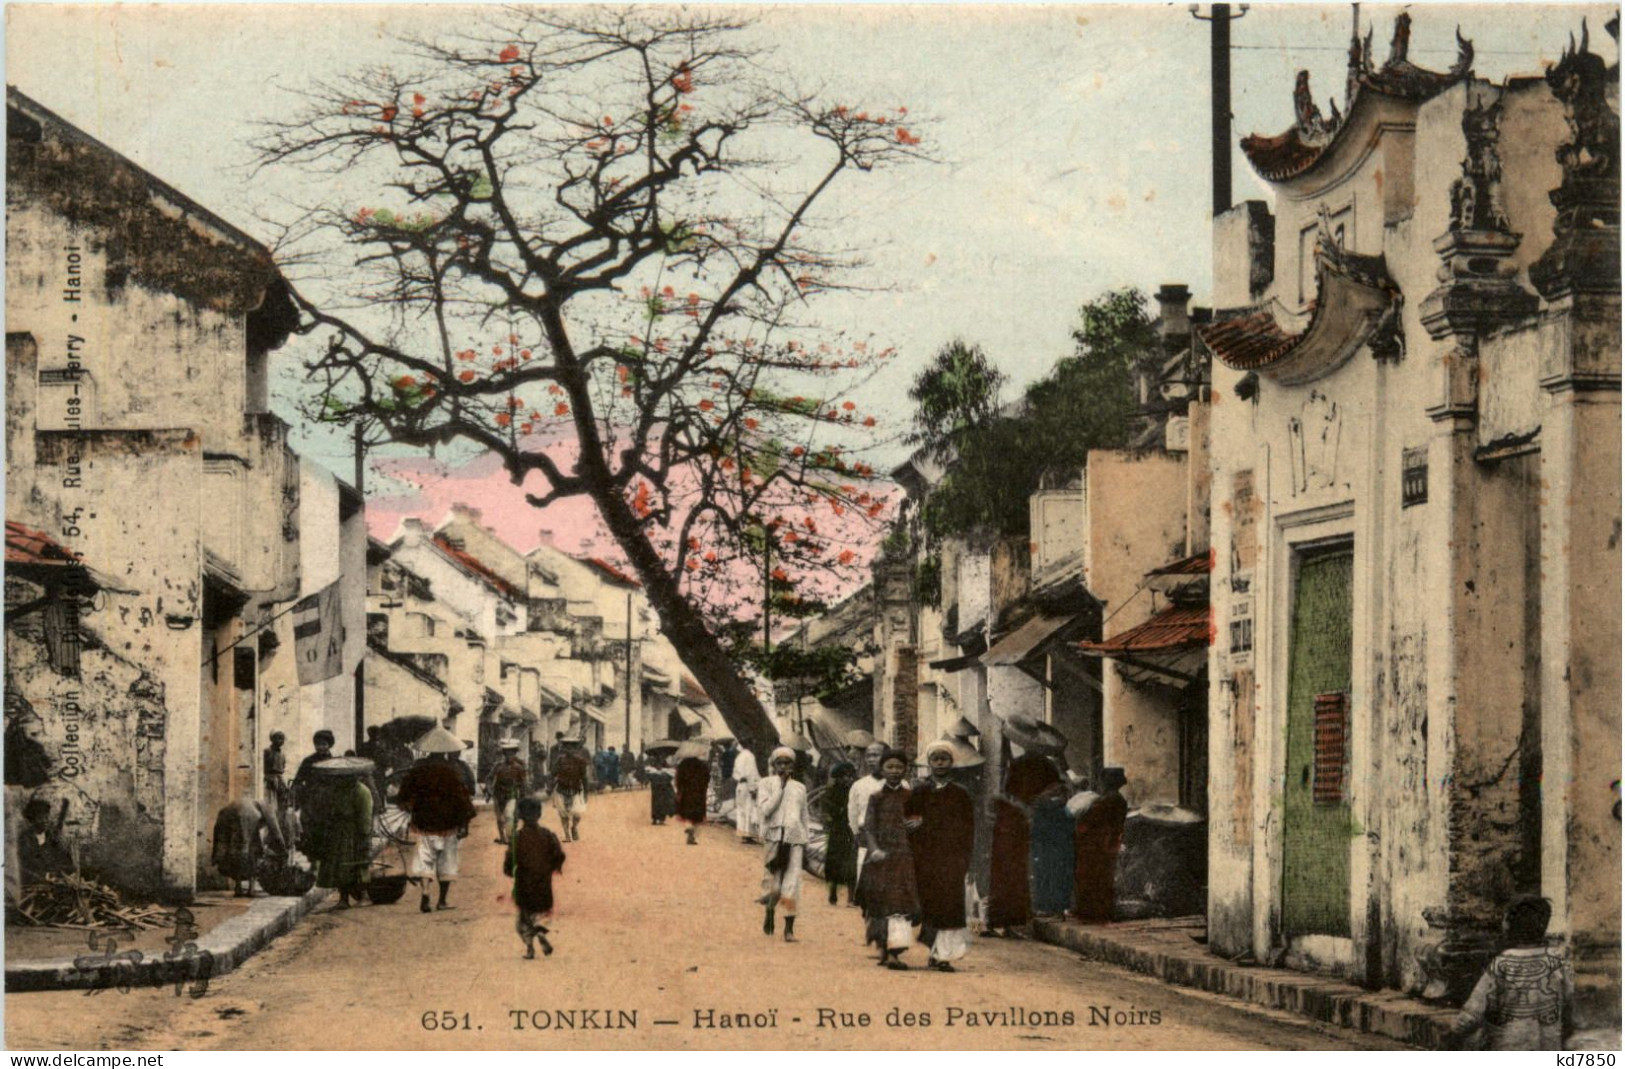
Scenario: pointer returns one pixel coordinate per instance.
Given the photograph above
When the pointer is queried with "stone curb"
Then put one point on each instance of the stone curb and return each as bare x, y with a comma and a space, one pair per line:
231, 944
1384, 1013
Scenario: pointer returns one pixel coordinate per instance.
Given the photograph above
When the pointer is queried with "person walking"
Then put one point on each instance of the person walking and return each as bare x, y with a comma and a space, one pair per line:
785, 827
440, 807
840, 844
629, 767
339, 826
693, 779
662, 793
746, 779
1097, 840
304, 784
857, 801
1010, 891
504, 785
570, 787
886, 888
941, 842
534, 856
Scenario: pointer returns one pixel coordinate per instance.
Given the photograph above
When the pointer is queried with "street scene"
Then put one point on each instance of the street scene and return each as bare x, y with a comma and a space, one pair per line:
900, 528
692, 956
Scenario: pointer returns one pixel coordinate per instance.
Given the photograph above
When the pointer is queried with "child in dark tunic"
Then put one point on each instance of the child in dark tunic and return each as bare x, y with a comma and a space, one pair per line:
534, 855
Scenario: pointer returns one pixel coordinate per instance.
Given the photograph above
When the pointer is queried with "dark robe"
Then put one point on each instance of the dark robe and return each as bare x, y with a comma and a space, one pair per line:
340, 829
941, 846
886, 885
1010, 891
662, 795
1009, 894
305, 784
533, 857
693, 778
434, 794
840, 845
1052, 854
1098, 838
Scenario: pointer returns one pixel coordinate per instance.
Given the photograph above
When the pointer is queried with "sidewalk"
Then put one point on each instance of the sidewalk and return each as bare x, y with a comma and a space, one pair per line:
231, 930
1167, 950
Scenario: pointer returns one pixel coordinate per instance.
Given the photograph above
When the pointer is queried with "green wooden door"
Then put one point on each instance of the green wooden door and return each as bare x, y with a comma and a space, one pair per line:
1317, 823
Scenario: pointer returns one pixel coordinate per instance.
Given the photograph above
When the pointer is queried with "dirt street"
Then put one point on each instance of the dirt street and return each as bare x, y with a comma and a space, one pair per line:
658, 945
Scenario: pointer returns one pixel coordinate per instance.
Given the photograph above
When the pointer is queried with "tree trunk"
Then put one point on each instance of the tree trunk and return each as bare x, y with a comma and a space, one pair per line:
685, 628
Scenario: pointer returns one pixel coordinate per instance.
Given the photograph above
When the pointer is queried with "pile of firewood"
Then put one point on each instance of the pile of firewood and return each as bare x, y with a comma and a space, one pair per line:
69, 901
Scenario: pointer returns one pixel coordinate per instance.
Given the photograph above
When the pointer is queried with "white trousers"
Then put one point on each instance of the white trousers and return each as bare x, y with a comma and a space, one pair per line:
782, 888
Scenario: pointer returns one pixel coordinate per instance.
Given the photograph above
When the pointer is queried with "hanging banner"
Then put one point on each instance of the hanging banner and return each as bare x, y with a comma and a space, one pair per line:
318, 635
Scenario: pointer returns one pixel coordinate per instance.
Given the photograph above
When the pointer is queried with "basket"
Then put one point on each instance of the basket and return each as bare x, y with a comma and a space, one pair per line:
386, 890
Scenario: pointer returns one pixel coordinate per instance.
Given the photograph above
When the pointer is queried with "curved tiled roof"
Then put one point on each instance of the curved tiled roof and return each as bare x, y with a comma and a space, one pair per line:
1355, 293
1248, 341
1296, 151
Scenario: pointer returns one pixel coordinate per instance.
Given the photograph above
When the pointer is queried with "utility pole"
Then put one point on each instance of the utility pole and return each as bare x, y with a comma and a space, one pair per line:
1220, 19
361, 666
628, 670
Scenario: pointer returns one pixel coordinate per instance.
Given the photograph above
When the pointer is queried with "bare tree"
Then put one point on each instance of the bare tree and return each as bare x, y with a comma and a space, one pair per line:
585, 248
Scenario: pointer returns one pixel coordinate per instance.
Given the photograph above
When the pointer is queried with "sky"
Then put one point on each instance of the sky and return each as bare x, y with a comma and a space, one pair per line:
1071, 143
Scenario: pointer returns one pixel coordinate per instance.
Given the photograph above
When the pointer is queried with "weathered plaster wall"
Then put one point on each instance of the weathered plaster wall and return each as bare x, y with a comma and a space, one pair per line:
1136, 522
1454, 668
393, 691
131, 505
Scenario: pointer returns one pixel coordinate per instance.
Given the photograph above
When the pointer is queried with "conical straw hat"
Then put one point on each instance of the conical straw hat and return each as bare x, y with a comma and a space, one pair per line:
438, 740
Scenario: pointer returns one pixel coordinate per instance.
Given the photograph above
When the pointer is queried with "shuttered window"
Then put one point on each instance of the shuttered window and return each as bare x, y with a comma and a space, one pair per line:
1331, 748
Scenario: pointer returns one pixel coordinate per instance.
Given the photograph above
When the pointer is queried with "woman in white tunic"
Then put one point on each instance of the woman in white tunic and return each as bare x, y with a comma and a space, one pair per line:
745, 790
785, 823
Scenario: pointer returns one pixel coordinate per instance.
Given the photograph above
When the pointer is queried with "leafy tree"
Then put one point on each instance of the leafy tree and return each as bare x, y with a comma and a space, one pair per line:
1000, 455
957, 393
583, 242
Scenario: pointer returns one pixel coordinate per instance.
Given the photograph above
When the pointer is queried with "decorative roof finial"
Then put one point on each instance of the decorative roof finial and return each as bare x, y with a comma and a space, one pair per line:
1399, 49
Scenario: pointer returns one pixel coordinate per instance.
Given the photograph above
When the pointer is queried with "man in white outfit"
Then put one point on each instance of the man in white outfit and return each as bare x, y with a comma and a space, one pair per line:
857, 800
786, 829
746, 781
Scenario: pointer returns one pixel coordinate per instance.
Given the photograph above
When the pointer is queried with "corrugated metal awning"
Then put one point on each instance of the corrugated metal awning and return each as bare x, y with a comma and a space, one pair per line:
1172, 643
1181, 627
